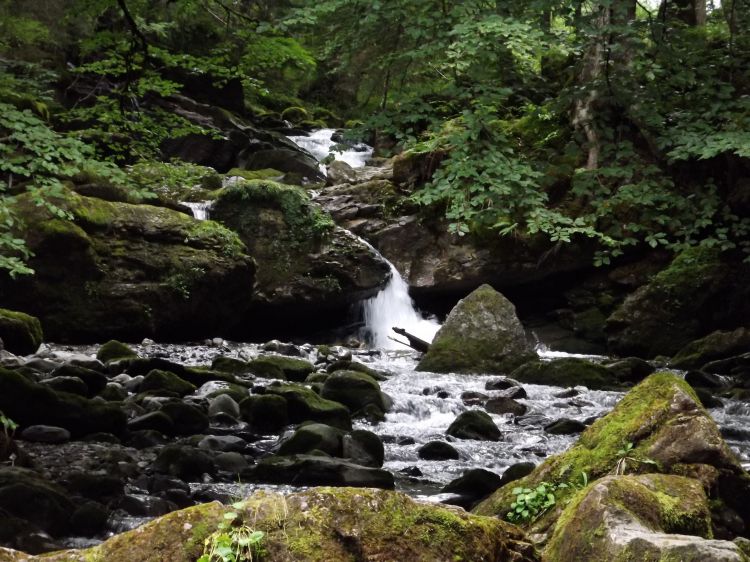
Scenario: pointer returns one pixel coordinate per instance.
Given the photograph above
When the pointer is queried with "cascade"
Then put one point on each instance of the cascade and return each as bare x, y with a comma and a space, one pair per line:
392, 306
201, 210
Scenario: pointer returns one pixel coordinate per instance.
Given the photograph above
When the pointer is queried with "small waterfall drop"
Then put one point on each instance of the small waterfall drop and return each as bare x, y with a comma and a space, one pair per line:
319, 143
201, 209
393, 307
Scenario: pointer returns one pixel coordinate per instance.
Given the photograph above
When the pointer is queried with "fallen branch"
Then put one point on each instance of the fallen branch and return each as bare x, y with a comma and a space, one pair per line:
414, 342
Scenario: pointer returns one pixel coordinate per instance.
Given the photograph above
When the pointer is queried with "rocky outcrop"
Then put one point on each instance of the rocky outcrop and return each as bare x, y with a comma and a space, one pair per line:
129, 272
659, 426
20, 333
307, 267
717, 346
699, 292
481, 335
647, 517
318, 525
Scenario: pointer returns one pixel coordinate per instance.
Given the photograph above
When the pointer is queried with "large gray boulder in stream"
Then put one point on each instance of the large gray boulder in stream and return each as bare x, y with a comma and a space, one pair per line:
658, 427
482, 334
317, 525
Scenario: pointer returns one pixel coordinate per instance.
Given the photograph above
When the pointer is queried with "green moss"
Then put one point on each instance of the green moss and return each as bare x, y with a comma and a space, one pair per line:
264, 174
290, 367
295, 114
569, 371
306, 405
20, 332
113, 350
633, 420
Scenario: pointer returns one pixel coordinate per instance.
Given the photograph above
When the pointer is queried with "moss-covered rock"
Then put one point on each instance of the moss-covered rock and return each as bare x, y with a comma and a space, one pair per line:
29, 403
319, 470
305, 405
308, 269
481, 335
359, 447
24, 494
650, 517
128, 272
699, 292
164, 381
354, 390
186, 419
230, 365
565, 372
667, 427
20, 333
265, 413
292, 369
713, 347
321, 525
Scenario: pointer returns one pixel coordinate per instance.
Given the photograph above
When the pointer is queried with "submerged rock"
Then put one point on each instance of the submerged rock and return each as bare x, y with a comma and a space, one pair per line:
474, 424
320, 525
482, 334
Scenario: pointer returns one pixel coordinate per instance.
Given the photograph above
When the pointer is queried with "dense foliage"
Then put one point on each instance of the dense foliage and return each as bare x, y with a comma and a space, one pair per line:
621, 122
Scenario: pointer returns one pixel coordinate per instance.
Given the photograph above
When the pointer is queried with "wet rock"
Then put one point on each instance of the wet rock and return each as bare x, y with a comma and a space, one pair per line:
503, 405
293, 369
364, 448
25, 495
346, 521
186, 419
95, 381
304, 405
354, 390
474, 424
89, 519
714, 347
223, 443
473, 398
569, 371
340, 172
647, 517
515, 392
230, 365
231, 462
472, 486
45, 434
114, 350
501, 383
437, 451
630, 369
94, 486
166, 382
314, 436
29, 403
146, 438
313, 470
569, 393
144, 506
266, 413
154, 421
223, 404
184, 462
482, 334
516, 472
707, 399
20, 333
72, 385
564, 426
699, 379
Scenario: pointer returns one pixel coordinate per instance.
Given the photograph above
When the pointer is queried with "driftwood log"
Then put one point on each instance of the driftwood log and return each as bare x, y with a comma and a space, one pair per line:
414, 342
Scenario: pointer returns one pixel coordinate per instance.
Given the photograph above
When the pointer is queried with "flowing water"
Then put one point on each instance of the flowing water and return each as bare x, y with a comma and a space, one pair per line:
201, 209
320, 144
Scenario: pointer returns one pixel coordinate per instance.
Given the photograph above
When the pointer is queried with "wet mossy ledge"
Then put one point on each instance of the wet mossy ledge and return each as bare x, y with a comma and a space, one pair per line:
317, 525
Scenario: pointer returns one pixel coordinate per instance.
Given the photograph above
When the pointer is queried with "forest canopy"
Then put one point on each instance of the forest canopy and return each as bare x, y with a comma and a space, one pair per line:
621, 122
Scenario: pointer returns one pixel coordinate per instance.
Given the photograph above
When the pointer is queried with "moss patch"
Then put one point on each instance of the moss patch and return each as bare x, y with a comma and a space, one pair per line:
21, 333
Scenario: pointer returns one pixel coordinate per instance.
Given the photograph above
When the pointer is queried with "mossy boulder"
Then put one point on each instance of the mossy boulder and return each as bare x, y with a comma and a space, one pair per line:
265, 413
305, 405
20, 333
701, 291
359, 446
26, 495
309, 270
127, 271
714, 347
649, 517
164, 381
320, 525
230, 365
186, 418
565, 372
474, 424
184, 462
293, 369
354, 390
29, 403
482, 334
669, 431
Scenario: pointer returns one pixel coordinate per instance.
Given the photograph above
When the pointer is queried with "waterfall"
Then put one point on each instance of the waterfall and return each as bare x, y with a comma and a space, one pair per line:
392, 306
319, 143
201, 209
